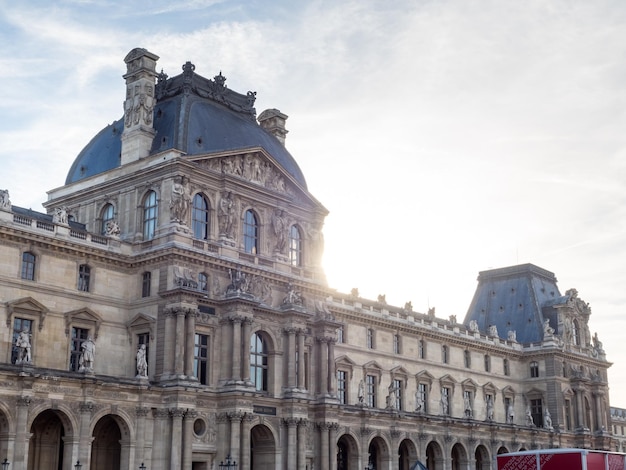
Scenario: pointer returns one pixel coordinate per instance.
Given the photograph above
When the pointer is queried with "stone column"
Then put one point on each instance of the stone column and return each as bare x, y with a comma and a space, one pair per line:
324, 446
180, 343
292, 449
332, 436
190, 417
84, 442
301, 363
235, 418
580, 408
599, 418
236, 348
302, 424
291, 359
245, 440
247, 328
177, 433
159, 453
332, 377
22, 440
190, 344
169, 348
140, 412
323, 346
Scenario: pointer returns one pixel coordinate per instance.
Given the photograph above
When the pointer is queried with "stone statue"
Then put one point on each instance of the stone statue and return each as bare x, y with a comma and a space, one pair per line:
278, 224
453, 319
5, 202
444, 404
60, 216
142, 363
597, 344
112, 229
493, 330
361, 392
238, 282
419, 402
225, 215
293, 296
467, 406
512, 335
510, 414
382, 299
180, 201
354, 292
489, 408
529, 417
431, 312
22, 342
473, 326
408, 306
547, 420
548, 331
391, 396
87, 356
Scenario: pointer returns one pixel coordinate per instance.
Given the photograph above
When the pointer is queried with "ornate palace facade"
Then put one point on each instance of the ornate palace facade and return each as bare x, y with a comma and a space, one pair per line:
170, 309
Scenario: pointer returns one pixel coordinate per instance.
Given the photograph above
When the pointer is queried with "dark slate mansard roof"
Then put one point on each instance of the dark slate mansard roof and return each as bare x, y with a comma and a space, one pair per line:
192, 114
518, 298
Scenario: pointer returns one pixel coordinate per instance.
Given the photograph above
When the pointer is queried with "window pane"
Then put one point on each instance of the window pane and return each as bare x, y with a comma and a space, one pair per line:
295, 246
107, 216
250, 233
149, 215
28, 266
84, 273
200, 217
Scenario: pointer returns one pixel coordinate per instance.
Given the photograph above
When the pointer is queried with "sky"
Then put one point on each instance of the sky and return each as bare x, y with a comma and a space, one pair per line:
445, 137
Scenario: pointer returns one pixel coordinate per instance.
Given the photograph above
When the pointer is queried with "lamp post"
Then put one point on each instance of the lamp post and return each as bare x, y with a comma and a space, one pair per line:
228, 465
5, 464
78, 465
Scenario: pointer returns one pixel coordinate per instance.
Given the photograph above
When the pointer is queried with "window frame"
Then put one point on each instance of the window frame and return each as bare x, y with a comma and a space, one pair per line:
84, 283
533, 367
342, 386
203, 282
251, 232
295, 246
107, 214
445, 354
76, 342
146, 284
259, 361
200, 217
201, 345
28, 266
150, 213
370, 390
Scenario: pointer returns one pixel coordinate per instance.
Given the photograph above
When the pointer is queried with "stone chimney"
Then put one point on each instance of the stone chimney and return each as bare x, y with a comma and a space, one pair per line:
273, 121
139, 105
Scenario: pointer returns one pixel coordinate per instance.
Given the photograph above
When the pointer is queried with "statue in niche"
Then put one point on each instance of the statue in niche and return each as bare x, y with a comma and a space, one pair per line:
226, 215
60, 216
22, 342
467, 406
88, 355
391, 396
5, 202
142, 362
278, 224
180, 201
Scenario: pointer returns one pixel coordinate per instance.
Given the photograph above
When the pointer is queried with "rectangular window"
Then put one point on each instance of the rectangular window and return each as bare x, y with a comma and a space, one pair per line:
340, 334
201, 358
505, 365
421, 349
78, 336
467, 358
341, 386
146, 281
445, 401
568, 415
444, 354
467, 403
84, 274
397, 388
487, 363
22, 333
370, 385
370, 338
28, 266
422, 398
536, 411
534, 369
396, 344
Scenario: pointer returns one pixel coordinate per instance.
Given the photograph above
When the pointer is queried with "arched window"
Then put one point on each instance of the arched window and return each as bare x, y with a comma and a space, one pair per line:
203, 282
295, 246
576, 333
250, 233
258, 362
28, 266
200, 217
107, 216
150, 207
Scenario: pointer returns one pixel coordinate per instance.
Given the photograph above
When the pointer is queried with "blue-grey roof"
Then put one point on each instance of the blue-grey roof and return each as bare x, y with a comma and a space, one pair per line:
195, 115
518, 298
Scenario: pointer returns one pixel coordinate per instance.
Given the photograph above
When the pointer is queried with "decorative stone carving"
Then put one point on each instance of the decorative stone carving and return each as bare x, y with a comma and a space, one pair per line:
185, 277
280, 230
142, 363
88, 355
112, 229
60, 216
293, 296
5, 202
225, 215
180, 201
473, 326
22, 342
239, 283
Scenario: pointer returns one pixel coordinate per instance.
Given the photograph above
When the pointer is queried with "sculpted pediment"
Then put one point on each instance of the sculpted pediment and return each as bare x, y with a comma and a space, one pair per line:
84, 315
26, 305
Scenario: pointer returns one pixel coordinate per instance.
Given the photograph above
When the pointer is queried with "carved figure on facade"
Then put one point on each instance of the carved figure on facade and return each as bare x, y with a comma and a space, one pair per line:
112, 229
419, 402
489, 408
180, 201
88, 355
467, 406
431, 312
597, 344
139, 105
238, 282
391, 396
293, 297
510, 413
60, 216
361, 392
261, 289
547, 420
5, 202
444, 403
511, 335
22, 342
452, 319
254, 169
382, 299
280, 231
142, 362
529, 417
473, 326
575, 302
185, 277
225, 217
548, 331
493, 331
354, 292
408, 306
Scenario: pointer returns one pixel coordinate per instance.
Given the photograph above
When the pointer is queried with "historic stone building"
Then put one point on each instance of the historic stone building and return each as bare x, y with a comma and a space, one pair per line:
170, 310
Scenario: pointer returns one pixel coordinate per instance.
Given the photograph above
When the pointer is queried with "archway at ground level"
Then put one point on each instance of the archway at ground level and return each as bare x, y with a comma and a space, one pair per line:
481, 456
378, 454
106, 450
262, 448
503, 450
458, 457
407, 455
347, 453
47, 450
434, 456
